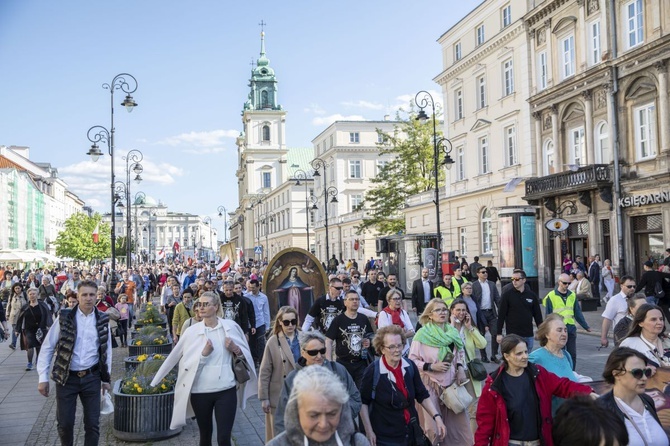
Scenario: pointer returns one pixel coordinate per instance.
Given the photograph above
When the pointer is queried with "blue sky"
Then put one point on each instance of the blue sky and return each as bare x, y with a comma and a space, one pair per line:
333, 60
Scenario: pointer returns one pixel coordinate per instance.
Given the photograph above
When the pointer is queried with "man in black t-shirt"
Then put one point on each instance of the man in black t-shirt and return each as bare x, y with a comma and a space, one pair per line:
325, 308
370, 289
392, 284
234, 308
351, 332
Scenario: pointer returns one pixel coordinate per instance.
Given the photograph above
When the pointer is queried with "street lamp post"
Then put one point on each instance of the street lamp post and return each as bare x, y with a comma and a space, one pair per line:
127, 84
424, 99
132, 159
256, 201
208, 221
139, 198
223, 213
301, 175
317, 164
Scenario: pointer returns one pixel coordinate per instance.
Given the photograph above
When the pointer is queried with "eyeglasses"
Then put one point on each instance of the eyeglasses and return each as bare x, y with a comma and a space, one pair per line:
629, 286
290, 322
353, 299
356, 277
321, 351
338, 288
396, 298
206, 304
440, 310
196, 305
482, 272
564, 283
638, 373
516, 279
395, 347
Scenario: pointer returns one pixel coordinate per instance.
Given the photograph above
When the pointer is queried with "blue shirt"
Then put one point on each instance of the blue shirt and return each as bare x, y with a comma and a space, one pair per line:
295, 347
561, 367
261, 307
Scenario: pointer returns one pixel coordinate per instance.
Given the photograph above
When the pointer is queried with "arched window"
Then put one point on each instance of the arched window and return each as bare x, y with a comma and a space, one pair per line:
549, 165
604, 150
266, 133
487, 232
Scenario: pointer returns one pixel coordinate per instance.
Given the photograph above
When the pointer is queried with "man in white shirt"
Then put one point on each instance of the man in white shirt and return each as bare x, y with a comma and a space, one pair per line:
616, 308
81, 341
262, 311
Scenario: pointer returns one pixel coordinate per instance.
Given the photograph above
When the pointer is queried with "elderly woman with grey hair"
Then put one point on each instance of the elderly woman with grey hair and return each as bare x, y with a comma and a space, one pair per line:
318, 417
313, 353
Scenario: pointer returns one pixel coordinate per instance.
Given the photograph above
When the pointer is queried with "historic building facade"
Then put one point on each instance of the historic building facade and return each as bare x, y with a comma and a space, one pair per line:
599, 101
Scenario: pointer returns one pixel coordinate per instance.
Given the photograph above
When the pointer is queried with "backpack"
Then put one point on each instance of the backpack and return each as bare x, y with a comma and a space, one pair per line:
658, 290
375, 380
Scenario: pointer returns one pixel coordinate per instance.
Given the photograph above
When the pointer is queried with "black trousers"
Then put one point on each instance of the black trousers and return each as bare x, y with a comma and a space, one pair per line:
257, 344
224, 406
356, 370
87, 389
490, 320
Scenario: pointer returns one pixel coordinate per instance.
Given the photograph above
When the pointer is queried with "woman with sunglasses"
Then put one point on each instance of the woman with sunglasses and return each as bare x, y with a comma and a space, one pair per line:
313, 353
646, 334
626, 369
438, 351
182, 312
206, 384
282, 351
393, 314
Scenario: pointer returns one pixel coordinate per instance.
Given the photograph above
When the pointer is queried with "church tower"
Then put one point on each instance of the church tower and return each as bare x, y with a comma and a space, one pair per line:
261, 148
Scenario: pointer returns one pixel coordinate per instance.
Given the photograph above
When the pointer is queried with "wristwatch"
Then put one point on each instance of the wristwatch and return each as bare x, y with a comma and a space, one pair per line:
437, 415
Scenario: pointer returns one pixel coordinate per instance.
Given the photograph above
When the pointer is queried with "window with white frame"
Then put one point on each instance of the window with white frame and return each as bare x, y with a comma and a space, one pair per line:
381, 138
645, 131
484, 155
266, 133
332, 139
460, 163
457, 51
481, 92
542, 70
594, 42
354, 137
480, 34
267, 179
634, 17
549, 166
381, 165
354, 168
604, 152
487, 232
508, 77
568, 56
510, 146
577, 146
458, 104
356, 202
463, 245
506, 16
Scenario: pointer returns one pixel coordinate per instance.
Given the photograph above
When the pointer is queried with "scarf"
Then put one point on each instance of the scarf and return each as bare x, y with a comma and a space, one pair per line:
434, 336
400, 384
395, 317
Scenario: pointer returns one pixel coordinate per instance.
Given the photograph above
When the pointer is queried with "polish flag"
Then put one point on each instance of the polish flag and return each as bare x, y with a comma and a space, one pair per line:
161, 254
96, 237
224, 266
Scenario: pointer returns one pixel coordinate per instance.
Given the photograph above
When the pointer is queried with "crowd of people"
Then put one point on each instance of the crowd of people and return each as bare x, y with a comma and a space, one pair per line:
382, 379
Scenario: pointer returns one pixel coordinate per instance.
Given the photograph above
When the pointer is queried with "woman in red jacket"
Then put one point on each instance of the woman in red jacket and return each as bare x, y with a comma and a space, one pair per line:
515, 406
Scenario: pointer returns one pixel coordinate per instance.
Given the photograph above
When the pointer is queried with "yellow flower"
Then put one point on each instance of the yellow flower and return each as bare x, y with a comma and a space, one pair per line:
142, 358
138, 342
139, 390
164, 387
136, 385
149, 303
134, 378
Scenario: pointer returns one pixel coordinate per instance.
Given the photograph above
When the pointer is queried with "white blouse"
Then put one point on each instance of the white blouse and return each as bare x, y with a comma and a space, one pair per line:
654, 435
215, 372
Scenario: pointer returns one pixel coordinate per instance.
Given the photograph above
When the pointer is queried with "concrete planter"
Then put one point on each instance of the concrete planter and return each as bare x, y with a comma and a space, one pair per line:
142, 418
134, 333
136, 350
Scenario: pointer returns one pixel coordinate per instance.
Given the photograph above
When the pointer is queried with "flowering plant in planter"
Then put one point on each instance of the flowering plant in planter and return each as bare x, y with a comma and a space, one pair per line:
150, 335
137, 381
150, 315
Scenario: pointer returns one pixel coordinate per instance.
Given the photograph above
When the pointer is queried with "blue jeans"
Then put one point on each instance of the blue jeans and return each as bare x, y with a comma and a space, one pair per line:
87, 389
14, 336
529, 343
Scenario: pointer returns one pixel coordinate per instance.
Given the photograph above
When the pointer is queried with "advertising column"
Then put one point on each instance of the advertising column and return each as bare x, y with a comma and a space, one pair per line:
517, 242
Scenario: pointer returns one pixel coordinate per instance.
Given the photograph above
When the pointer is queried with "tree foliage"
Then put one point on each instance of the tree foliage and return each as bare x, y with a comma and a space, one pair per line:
410, 172
76, 240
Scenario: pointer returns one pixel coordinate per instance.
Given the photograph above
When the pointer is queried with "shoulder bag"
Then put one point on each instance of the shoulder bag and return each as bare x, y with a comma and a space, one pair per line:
241, 369
476, 368
456, 397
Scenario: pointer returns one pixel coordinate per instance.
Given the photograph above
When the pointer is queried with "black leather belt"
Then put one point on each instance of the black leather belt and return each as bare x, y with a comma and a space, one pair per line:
487, 309
82, 373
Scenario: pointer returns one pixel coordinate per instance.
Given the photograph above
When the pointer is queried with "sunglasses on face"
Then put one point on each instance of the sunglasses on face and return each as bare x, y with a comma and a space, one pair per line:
205, 304
338, 288
564, 283
321, 351
629, 286
290, 322
516, 279
638, 373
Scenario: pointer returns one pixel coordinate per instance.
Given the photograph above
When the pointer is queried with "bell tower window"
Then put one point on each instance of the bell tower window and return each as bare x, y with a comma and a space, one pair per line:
266, 133
264, 99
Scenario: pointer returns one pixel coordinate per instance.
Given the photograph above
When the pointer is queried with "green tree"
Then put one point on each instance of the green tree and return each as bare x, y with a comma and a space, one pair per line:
409, 173
76, 240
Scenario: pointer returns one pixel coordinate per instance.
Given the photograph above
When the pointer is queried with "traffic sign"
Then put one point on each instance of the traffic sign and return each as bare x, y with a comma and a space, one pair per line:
258, 250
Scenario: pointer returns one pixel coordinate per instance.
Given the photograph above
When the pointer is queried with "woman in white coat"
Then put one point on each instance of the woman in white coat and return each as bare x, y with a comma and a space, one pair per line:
206, 383
393, 314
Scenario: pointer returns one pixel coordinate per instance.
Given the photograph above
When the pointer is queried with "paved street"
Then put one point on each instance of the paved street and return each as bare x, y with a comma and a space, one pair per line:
27, 418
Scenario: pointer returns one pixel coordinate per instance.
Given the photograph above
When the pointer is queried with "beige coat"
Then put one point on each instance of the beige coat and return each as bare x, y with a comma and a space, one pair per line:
187, 354
14, 305
277, 363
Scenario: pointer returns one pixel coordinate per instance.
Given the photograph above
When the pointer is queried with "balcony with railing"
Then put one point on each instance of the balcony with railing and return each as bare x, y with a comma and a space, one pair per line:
585, 178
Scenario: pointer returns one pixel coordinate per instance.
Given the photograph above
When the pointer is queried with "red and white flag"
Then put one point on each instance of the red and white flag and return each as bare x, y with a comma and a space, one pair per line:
161, 254
96, 237
224, 266
175, 247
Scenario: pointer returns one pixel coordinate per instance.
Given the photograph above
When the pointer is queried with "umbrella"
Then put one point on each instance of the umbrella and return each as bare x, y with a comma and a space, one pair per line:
10, 256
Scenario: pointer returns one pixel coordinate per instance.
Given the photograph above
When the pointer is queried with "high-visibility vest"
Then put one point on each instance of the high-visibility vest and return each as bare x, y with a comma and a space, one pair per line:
564, 308
457, 287
445, 294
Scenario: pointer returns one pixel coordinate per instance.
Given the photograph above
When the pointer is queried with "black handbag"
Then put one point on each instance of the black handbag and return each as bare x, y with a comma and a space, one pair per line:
476, 368
416, 435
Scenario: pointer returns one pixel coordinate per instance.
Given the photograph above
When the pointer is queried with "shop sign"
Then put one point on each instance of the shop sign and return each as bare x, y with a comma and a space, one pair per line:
641, 200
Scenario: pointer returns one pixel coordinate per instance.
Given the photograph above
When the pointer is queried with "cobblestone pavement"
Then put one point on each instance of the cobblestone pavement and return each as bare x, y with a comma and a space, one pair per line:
27, 418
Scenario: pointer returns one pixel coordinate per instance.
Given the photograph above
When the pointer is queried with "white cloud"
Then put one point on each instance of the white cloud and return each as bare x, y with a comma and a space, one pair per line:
200, 139
314, 109
205, 150
363, 104
327, 120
